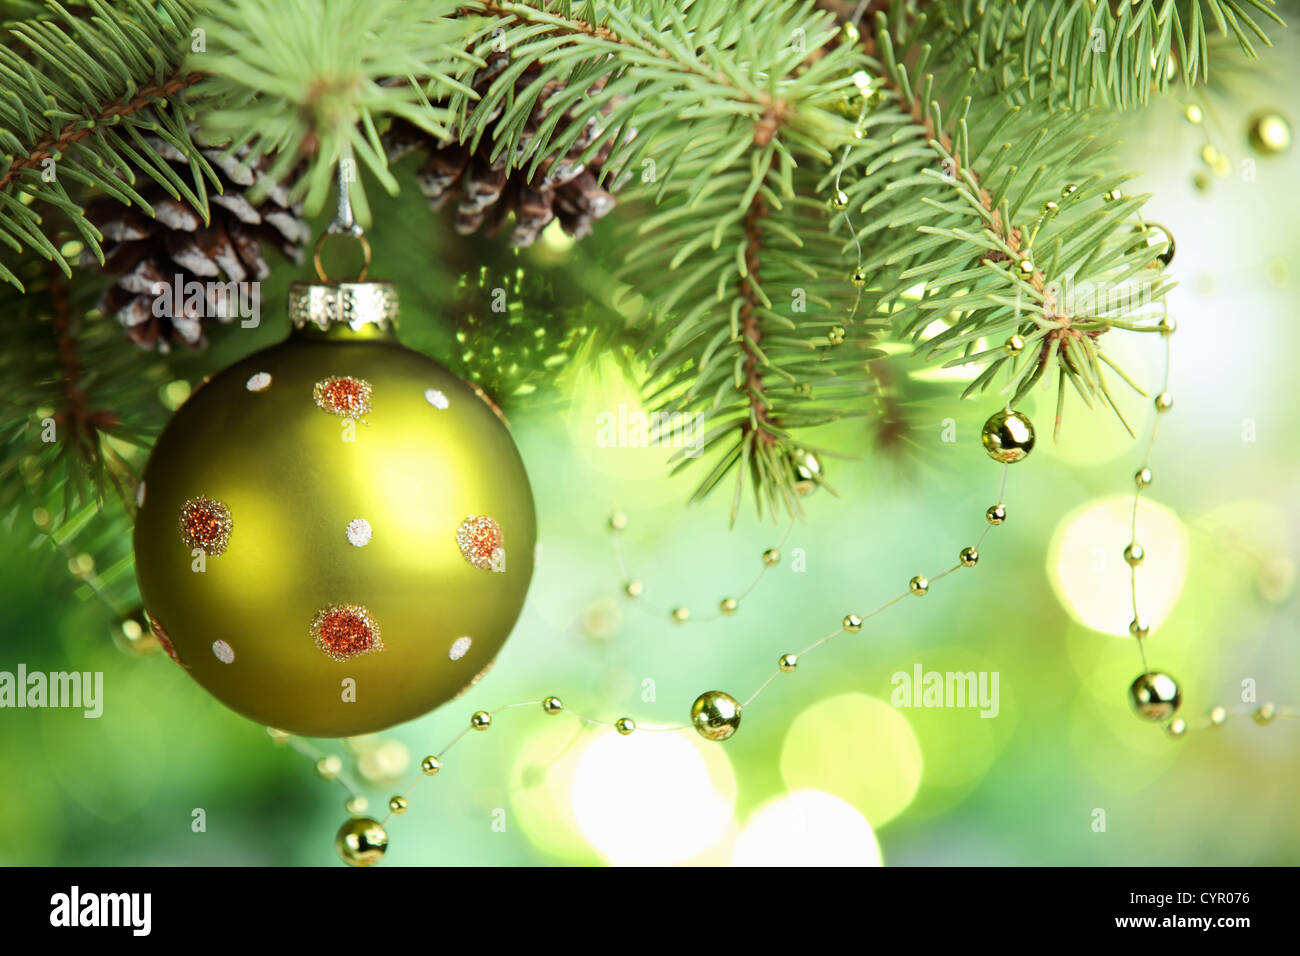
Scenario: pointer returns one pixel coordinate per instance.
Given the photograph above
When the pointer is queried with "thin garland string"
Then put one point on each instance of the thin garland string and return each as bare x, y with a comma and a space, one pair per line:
716, 715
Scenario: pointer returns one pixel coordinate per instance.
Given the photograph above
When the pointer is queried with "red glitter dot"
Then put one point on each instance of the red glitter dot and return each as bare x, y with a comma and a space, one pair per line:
345, 396
206, 525
482, 542
164, 640
344, 631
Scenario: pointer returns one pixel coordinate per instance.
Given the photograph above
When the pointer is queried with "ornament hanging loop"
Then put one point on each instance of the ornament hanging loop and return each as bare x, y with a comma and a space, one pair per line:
344, 223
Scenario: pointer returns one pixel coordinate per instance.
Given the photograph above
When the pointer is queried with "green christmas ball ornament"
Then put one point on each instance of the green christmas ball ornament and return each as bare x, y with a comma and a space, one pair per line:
336, 534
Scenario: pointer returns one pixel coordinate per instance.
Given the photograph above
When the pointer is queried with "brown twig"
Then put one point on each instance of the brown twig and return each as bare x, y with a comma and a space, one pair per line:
54, 144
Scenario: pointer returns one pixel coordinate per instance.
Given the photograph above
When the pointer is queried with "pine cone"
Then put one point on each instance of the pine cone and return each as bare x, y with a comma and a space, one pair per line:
146, 251
562, 187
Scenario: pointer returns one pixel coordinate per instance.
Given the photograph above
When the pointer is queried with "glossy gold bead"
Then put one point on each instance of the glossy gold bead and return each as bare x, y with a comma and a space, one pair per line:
617, 521
1069, 190
1156, 235
858, 278
633, 589
996, 514
729, 605
625, 725
1209, 155
851, 33
1217, 716
1008, 436
328, 767
807, 471
1050, 207
430, 765
1155, 696
481, 720
1026, 267
356, 804
552, 705
919, 585
1134, 555
361, 842
840, 201
969, 557
1193, 113
681, 615
1168, 325
788, 663
1164, 402
836, 335
1142, 477
715, 715
771, 557
1113, 195
1137, 629
851, 623
1264, 715
1176, 728
1014, 345
398, 804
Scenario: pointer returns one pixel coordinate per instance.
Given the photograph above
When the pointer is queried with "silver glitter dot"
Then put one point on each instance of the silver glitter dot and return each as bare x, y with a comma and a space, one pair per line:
459, 648
359, 532
223, 651
258, 382
436, 398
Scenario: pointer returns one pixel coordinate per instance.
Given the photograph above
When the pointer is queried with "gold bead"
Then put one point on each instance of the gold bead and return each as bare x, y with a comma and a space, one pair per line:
1142, 477
625, 725
681, 615
1192, 113
481, 720
1157, 236
788, 663
1264, 715
807, 471
430, 765
771, 557
716, 715
835, 335
1164, 402
1134, 555
1112, 196
1209, 155
1270, 133
996, 514
1026, 267
840, 201
851, 33
1050, 207
356, 804
633, 589
329, 767
1008, 436
1168, 325
617, 521
851, 623
1176, 728
729, 605
1069, 190
1155, 696
552, 705
1217, 716
398, 804
858, 278
919, 585
361, 842
1137, 629
969, 557
1014, 345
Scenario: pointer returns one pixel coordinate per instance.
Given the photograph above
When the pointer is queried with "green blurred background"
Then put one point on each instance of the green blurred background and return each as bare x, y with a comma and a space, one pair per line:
824, 769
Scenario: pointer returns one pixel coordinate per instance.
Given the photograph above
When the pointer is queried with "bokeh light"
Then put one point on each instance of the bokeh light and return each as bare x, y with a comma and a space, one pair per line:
652, 799
806, 828
858, 748
1085, 563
